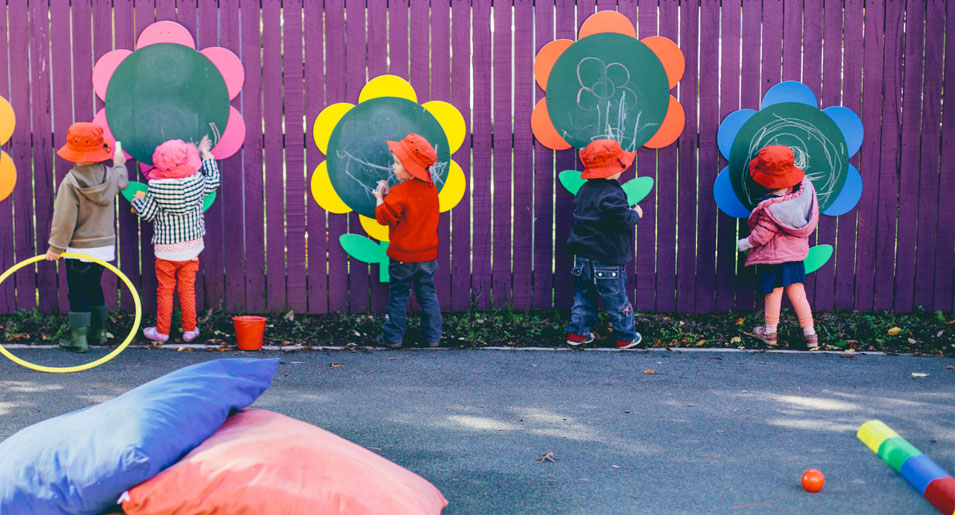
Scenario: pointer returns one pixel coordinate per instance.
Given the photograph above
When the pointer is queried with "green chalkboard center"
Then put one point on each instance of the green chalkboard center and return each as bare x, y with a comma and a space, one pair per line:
165, 91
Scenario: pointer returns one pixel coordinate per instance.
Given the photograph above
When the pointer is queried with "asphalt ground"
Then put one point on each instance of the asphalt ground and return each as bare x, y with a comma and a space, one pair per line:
716, 432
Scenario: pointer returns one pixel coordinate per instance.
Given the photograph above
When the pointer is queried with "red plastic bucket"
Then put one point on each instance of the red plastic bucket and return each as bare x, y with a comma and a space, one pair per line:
249, 331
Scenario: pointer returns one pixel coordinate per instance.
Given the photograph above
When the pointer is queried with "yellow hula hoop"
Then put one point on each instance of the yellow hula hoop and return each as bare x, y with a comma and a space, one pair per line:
79, 368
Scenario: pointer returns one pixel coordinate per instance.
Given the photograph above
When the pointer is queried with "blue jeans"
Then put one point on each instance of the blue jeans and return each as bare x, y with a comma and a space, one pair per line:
403, 277
608, 282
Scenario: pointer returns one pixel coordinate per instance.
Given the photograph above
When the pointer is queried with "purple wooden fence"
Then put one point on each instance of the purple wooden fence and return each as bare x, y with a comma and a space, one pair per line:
270, 247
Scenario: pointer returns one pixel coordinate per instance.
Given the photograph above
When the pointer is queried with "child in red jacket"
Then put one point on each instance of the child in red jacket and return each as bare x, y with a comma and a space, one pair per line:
780, 227
410, 210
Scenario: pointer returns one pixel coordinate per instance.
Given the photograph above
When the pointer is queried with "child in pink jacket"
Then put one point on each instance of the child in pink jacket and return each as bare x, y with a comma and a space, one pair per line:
778, 242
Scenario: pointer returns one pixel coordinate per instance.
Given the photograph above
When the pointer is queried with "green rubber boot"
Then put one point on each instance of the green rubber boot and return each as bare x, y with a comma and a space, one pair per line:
97, 334
79, 327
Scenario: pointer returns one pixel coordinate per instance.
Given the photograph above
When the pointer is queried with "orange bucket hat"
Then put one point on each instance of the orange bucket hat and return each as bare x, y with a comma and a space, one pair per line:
85, 143
774, 167
603, 158
415, 154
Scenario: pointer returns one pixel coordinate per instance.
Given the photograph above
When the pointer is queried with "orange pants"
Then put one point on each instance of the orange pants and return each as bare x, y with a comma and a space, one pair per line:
167, 273
797, 295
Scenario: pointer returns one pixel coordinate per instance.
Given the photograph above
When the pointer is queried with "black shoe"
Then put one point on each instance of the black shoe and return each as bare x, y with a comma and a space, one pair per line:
381, 339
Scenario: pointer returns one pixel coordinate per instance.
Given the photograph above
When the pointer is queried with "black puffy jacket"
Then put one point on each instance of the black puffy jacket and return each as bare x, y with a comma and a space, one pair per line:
602, 223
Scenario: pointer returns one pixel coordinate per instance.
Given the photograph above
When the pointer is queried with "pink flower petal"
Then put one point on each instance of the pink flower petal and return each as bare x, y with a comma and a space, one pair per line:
104, 68
232, 138
165, 32
144, 168
229, 66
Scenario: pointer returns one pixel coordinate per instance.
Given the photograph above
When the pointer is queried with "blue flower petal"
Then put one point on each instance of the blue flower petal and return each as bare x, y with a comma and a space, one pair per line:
790, 91
849, 196
850, 125
730, 128
726, 198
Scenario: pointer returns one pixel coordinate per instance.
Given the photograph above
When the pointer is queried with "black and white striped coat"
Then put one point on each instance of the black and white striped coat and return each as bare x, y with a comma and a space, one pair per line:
175, 205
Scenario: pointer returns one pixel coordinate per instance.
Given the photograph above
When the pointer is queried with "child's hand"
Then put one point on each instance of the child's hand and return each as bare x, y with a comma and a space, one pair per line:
205, 145
52, 256
743, 245
119, 158
638, 210
382, 189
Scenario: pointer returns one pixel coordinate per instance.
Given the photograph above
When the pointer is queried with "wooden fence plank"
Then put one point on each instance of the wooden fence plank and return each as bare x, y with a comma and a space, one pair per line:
62, 72
928, 196
503, 144
668, 175
565, 28
22, 195
945, 245
687, 185
252, 166
640, 270
145, 15
709, 124
295, 141
378, 65
889, 163
543, 180
210, 290
729, 102
851, 98
908, 171
355, 57
460, 97
523, 151
822, 70
231, 224
7, 299
272, 106
482, 144
334, 93
314, 103
750, 87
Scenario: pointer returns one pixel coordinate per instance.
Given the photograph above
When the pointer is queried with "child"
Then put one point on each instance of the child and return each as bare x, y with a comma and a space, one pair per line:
84, 222
602, 242
173, 203
410, 210
779, 238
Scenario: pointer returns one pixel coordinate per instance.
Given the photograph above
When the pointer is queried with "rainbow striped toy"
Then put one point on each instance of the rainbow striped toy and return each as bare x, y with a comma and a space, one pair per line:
919, 470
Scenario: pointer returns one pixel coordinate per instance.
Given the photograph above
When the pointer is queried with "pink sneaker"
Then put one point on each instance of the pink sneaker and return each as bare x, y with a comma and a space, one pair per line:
188, 336
812, 341
153, 335
765, 337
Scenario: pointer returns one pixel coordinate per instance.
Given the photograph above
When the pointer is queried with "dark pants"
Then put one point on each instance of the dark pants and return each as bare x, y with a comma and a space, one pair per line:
83, 280
404, 276
594, 279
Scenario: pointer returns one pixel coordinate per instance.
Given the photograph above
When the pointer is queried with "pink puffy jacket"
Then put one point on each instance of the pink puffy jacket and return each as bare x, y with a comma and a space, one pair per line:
780, 227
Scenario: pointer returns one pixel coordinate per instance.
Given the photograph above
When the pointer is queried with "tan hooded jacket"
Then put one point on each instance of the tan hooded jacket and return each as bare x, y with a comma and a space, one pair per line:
84, 212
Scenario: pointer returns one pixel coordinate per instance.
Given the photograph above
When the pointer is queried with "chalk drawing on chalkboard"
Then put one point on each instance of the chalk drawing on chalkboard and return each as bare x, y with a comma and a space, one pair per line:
608, 84
8, 171
822, 141
166, 89
353, 136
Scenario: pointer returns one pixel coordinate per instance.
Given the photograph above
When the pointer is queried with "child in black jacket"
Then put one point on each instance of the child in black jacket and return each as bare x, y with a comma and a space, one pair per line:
601, 239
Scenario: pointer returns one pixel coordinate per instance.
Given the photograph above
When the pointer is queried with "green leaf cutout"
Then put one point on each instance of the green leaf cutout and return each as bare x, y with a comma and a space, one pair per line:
135, 187
637, 189
571, 181
367, 251
818, 255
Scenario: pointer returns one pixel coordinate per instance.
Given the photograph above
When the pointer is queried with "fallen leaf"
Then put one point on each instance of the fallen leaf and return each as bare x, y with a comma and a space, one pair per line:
180, 349
337, 365
949, 368
511, 343
919, 374
736, 339
700, 343
740, 321
392, 358
895, 331
547, 457
290, 316
649, 372
847, 355
850, 350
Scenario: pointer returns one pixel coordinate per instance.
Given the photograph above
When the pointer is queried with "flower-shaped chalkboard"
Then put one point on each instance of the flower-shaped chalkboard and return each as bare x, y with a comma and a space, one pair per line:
353, 137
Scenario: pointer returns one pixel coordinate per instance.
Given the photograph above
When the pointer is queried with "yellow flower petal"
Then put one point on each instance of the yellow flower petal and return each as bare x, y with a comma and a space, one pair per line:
7, 120
324, 193
451, 121
8, 175
373, 228
387, 86
454, 186
326, 122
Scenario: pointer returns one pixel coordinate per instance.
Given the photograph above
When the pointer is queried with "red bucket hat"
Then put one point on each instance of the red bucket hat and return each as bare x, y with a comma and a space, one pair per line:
85, 143
175, 159
415, 154
774, 167
603, 158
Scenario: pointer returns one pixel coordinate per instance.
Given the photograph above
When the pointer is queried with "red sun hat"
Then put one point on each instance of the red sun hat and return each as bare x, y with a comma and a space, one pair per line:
603, 158
415, 154
774, 167
85, 143
175, 159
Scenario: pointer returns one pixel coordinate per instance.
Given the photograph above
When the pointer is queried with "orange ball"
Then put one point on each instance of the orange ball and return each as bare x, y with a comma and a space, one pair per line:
813, 480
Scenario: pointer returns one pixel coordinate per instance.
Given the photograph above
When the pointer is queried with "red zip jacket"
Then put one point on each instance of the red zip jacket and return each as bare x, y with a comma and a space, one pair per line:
410, 210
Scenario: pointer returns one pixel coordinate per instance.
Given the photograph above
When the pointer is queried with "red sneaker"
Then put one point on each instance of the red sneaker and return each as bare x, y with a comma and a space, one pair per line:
629, 344
574, 339
765, 337
812, 341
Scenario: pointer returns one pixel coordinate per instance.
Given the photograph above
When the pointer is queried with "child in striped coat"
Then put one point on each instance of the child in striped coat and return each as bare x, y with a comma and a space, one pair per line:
177, 187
